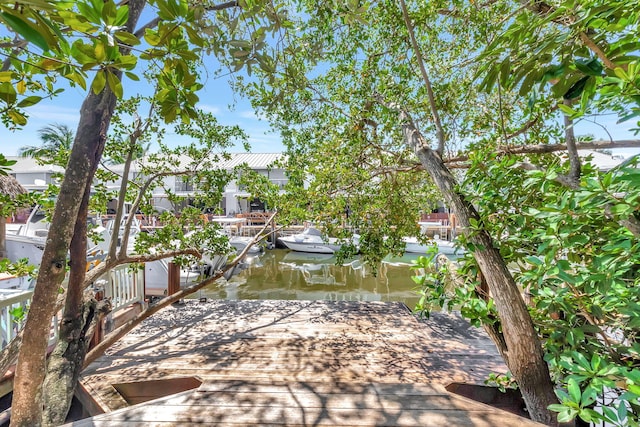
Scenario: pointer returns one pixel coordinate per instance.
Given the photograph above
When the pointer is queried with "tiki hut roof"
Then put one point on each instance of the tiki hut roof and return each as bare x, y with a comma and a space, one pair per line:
10, 186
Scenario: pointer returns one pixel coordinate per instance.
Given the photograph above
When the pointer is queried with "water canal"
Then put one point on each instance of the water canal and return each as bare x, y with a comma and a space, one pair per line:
280, 274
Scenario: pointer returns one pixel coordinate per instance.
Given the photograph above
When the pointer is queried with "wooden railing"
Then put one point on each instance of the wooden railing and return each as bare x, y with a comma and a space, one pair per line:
122, 285
14, 304
12, 301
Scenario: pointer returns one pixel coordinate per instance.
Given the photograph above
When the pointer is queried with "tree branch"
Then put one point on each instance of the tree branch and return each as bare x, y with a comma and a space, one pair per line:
572, 150
154, 22
124, 329
551, 148
432, 101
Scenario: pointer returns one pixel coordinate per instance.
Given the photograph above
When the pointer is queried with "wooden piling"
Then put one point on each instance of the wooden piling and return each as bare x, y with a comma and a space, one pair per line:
173, 278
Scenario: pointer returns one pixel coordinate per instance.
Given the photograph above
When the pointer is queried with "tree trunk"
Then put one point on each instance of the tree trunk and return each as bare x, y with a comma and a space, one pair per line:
524, 356
3, 237
65, 365
95, 117
66, 360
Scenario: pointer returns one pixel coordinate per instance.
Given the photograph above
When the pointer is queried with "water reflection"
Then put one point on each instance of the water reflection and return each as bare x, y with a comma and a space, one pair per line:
282, 274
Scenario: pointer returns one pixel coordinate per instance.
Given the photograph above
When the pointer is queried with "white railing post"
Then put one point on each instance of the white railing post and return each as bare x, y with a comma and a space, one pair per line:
11, 299
124, 287
121, 285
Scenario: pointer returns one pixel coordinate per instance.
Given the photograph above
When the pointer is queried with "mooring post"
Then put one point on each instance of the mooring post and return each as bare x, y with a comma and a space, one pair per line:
173, 278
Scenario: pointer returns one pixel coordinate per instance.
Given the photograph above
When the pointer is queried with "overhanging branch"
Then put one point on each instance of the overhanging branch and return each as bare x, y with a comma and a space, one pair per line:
552, 148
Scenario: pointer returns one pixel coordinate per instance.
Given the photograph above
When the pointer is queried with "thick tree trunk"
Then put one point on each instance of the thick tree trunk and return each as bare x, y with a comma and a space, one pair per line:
65, 363
30, 370
95, 117
524, 356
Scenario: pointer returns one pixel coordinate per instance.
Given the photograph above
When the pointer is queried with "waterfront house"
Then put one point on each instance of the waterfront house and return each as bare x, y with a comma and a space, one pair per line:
36, 177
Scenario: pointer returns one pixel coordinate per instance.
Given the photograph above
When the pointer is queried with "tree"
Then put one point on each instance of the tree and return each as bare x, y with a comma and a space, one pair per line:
197, 160
96, 39
392, 91
56, 141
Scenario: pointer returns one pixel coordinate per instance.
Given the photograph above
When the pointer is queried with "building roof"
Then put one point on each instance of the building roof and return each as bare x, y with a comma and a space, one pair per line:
31, 165
253, 160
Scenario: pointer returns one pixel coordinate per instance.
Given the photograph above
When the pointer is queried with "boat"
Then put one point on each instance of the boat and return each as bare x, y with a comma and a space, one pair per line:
445, 247
157, 272
294, 257
311, 240
28, 240
232, 228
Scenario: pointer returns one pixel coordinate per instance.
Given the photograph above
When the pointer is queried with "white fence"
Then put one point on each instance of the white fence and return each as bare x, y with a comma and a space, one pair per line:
122, 285
12, 301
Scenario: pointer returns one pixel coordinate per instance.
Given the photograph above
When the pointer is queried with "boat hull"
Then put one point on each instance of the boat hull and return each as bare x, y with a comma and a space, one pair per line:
309, 247
444, 247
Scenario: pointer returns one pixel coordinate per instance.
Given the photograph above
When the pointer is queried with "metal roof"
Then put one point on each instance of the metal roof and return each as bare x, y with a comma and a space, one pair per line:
252, 160
255, 161
31, 165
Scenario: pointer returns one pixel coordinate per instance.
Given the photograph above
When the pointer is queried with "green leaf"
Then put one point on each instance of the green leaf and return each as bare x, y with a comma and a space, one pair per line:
89, 12
567, 110
121, 16
29, 101
109, 12
576, 90
165, 11
25, 30
505, 68
78, 79
99, 81
127, 38
592, 67
556, 407
567, 415
132, 76
114, 84
151, 37
633, 388
8, 93
17, 117
99, 52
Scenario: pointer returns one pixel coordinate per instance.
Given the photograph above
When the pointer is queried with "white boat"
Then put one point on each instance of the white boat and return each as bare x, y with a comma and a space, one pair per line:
29, 247
311, 240
412, 245
232, 227
241, 242
28, 240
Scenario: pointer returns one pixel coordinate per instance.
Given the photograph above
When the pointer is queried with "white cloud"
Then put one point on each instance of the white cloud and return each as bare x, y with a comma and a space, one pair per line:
54, 113
213, 109
250, 114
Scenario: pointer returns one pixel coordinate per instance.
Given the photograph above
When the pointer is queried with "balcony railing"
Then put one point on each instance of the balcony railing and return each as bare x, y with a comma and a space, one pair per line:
123, 285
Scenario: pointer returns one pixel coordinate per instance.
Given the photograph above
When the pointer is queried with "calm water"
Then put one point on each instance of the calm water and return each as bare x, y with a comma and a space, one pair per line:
287, 275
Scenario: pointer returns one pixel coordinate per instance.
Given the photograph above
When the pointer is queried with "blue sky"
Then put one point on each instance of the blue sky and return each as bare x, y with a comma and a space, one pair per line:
216, 98
230, 109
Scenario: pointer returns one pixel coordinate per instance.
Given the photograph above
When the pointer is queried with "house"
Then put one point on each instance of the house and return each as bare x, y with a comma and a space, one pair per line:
36, 177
